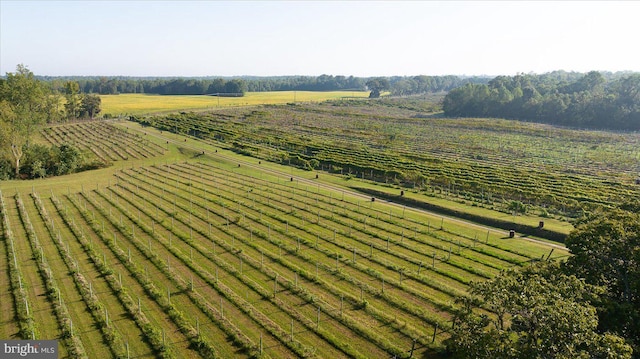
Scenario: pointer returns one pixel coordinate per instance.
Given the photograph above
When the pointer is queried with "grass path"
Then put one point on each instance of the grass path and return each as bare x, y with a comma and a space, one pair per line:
9, 328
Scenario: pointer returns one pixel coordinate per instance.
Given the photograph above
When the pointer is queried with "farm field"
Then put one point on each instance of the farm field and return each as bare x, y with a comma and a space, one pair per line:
506, 166
136, 104
174, 253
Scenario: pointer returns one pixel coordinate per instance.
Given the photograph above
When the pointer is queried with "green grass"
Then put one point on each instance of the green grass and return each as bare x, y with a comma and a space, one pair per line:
137, 104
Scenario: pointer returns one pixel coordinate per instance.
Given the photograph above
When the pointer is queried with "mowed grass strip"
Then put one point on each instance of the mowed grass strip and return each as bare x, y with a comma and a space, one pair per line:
136, 104
39, 307
8, 324
9, 327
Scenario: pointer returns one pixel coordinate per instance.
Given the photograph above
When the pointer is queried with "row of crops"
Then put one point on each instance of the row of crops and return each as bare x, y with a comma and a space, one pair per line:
195, 260
107, 142
488, 162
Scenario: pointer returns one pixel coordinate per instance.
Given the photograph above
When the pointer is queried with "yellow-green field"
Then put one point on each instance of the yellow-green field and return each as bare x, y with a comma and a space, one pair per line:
135, 104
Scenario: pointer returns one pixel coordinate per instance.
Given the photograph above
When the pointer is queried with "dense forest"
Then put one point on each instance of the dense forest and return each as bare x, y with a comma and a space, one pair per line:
592, 100
396, 85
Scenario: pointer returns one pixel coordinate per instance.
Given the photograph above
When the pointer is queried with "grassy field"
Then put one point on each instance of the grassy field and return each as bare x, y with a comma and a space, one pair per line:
136, 104
185, 249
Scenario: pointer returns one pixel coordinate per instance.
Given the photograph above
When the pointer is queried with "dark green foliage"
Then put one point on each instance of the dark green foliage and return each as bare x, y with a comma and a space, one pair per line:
24, 105
377, 85
585, 101
91, 105
517, 207
398, 85
537, 312
606, 252
73, 100
41, 161
6, 169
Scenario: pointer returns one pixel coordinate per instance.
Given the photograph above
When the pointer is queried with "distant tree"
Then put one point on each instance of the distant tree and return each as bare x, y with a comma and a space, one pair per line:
538, 312
54, 108
235, 86
216, 86
377, 85
37, 161
73, 103
22, 109
91, 105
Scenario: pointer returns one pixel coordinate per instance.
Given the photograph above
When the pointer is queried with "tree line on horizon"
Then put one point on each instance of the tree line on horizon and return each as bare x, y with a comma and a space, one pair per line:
396, 85
592, 100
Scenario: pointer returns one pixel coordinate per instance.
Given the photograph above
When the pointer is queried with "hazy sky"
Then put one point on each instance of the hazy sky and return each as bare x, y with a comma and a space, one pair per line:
360, 38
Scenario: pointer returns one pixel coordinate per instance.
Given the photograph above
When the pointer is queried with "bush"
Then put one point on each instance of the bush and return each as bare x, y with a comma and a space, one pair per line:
41, 161
6, 169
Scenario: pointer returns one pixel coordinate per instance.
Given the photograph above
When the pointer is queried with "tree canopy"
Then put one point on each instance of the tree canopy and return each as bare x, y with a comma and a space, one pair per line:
606, 252
23, 107
587, 306
536, 312
377, 85
579, 100
397, 85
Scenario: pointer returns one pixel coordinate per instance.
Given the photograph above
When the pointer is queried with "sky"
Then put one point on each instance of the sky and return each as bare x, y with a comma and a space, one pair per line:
349, 38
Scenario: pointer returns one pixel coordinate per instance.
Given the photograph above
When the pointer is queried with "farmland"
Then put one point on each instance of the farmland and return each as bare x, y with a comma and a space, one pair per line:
185, 248
497, 165
135, 104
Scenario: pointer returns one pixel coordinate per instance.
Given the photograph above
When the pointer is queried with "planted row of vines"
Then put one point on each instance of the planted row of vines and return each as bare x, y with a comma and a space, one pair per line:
195, 260
486, 162
105, 141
